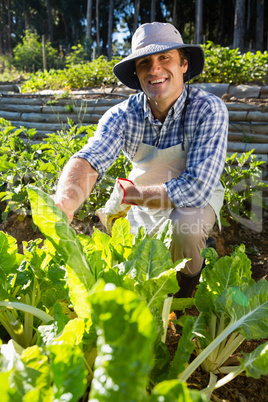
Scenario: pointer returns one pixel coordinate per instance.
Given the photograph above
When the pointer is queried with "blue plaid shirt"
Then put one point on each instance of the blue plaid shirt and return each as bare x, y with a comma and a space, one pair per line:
131, 122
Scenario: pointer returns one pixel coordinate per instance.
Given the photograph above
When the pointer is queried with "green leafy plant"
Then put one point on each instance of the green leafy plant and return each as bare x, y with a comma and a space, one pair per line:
30, 286
28, 54
226, 65
23, 162
232, 307
95, 73
243, 187
118, 287
222, 65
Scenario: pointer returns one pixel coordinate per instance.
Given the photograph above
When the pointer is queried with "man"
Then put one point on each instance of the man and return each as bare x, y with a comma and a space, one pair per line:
176, 138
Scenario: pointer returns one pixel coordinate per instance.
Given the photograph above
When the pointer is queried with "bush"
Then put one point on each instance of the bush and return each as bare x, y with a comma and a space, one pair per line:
28, 55
225, 65
95, 73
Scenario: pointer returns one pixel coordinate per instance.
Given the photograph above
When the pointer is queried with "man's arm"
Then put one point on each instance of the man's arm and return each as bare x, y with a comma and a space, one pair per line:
75, 185
148, 196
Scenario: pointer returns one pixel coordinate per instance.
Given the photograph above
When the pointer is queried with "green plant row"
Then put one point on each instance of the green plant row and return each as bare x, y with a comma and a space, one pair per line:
23, 162
225, 65
222, 65
86, 317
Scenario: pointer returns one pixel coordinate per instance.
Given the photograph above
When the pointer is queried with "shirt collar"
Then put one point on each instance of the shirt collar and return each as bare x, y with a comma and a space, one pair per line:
174, 111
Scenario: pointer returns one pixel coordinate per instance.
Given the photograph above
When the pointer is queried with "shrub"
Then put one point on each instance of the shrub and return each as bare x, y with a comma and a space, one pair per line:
226, 65
28, 54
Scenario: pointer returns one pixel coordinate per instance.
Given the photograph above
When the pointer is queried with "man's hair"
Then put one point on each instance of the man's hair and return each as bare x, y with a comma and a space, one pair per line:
183, 55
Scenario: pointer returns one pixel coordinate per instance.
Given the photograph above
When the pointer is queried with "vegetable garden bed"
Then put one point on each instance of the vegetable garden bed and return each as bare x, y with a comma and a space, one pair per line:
240, 389
55, 355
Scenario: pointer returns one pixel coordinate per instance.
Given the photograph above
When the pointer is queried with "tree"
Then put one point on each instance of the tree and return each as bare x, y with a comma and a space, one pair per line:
136, 14
89, 26
153, 10
50, 21
97, 28
110, 29
198, 21
239, 25
259, 25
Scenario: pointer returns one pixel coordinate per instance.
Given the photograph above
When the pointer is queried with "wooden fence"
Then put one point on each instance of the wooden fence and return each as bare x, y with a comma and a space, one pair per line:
248, 123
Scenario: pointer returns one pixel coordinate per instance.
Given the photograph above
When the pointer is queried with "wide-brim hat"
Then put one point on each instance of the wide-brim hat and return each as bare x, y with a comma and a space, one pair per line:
152, 38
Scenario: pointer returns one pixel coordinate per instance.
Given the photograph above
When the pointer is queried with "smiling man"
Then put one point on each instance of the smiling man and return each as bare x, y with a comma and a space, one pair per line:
176, 139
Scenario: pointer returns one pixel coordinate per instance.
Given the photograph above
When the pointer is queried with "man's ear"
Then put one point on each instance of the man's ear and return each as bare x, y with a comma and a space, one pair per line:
185, 66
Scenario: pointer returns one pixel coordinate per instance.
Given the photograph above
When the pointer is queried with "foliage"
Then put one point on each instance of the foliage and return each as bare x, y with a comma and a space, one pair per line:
117, 289
28, 55
96, 73
222, 65
77, 55
23, 162
243, 187
226, 65
232, 307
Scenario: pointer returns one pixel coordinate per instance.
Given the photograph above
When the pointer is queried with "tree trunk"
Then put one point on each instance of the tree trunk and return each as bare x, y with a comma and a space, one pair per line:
259, 25
26, 17
174, 13
110, 30
198, 21
239, 25
136, 15
50, 21
89, 26
153, 10
97, 28
9, 30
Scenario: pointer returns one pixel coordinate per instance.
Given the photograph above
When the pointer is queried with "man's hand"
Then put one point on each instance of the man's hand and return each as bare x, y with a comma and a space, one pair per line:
69, 213
74, 187
115, 207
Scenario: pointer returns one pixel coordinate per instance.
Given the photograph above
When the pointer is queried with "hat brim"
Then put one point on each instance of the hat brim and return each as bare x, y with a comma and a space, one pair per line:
125, 70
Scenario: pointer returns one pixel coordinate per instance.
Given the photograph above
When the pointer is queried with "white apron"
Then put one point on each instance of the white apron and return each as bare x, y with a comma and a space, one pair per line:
152, 166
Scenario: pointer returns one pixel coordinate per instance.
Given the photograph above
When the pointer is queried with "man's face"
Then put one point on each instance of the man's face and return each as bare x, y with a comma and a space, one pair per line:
161, 76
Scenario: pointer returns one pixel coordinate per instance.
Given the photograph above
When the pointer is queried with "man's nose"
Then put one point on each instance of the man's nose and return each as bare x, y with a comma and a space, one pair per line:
154, 66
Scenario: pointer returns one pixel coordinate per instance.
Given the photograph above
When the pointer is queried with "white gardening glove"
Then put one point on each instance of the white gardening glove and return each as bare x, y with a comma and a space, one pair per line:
115, 207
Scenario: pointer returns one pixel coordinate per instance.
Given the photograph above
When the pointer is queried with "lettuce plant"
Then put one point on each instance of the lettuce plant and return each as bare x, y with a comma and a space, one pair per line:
30, 286
232, 308
118, 287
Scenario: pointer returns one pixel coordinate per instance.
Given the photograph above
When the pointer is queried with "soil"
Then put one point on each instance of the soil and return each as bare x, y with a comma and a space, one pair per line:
242, 388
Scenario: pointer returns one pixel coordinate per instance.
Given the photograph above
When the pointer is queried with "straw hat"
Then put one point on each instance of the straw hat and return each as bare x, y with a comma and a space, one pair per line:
152, 38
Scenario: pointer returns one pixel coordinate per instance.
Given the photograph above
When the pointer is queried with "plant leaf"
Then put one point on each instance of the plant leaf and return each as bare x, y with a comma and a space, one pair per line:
126, 332
54, 225
255, 363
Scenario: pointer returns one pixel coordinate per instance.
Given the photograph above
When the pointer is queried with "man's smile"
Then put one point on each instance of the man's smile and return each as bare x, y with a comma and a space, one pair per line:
157, 81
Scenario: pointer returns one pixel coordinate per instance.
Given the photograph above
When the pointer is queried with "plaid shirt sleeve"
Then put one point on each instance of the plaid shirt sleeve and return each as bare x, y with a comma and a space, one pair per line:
207, 123
120, 128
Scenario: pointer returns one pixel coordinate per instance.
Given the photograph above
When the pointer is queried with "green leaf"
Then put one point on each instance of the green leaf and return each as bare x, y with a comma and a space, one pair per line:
155, 290
184, 349
255, 363
221, 274
8, 252
175, 391
29, 373
126, 332
148, 260
53, 223
165, 233
247, 307
68, 371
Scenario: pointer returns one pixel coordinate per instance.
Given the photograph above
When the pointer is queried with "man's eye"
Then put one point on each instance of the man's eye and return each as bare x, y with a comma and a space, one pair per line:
142, 62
